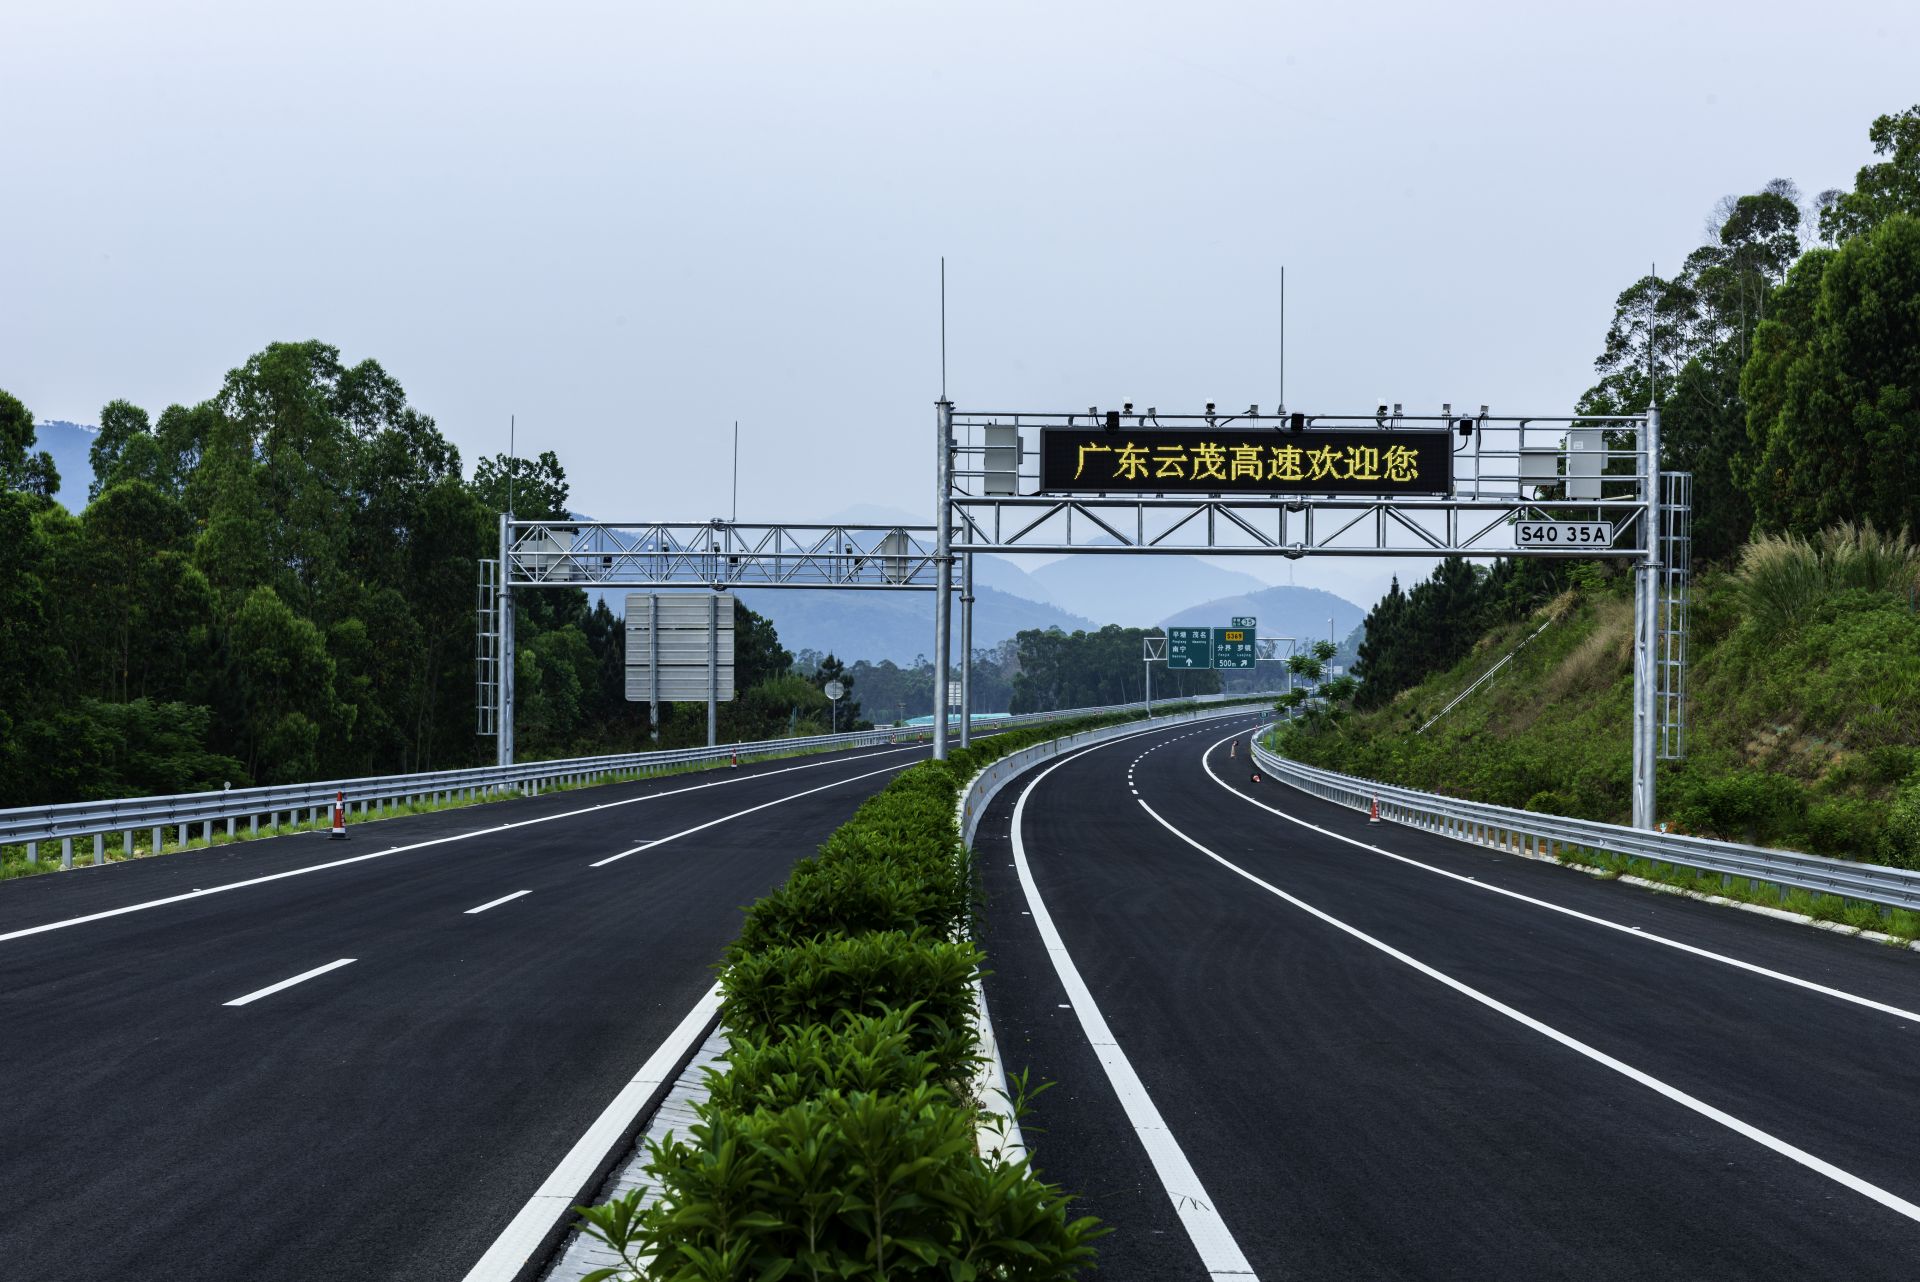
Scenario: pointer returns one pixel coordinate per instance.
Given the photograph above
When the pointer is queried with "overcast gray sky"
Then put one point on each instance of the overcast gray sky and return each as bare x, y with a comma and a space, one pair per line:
629, 224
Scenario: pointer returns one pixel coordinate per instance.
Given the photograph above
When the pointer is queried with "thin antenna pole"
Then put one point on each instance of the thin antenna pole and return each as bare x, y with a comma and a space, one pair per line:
943, 327
1653, 377
512, 462
1283, 340
736, 472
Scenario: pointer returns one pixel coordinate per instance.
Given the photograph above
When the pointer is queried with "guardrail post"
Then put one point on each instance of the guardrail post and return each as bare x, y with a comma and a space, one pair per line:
66, 852
156, 840
33, 852
183, 836
126, 845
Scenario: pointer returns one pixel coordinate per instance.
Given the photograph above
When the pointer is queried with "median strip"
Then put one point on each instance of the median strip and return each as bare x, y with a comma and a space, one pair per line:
854, 1038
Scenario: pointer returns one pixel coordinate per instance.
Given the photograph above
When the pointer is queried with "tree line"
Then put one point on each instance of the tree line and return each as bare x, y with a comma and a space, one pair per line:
1784, 356
278, 583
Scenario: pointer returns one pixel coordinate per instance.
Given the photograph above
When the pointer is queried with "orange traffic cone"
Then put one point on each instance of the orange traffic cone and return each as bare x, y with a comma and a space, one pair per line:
1373, 816
339, 832
736, 758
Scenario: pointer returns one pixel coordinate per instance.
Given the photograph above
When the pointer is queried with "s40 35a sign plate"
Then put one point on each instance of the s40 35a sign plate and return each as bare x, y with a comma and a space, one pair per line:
1563, 534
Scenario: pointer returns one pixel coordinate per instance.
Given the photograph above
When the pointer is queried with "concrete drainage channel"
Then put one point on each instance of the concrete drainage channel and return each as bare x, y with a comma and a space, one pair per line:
670, 1105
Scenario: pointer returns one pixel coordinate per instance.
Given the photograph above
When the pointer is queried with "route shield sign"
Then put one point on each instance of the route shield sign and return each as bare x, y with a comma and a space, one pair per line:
1246, 621
1190, 647
1233, 648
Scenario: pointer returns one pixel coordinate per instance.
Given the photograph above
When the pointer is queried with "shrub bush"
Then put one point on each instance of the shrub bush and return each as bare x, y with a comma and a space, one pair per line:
850, 896
857, 1053
861, 1185
1845, 826
813, 982
1899, 842
1744, 805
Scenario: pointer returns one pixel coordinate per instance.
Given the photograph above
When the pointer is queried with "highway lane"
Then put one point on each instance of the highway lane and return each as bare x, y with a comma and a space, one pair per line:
1349, 1115
387, 1117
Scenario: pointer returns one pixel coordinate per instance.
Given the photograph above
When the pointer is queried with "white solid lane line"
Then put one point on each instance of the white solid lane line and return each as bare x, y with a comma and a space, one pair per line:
661, 841
422, 845
495, 903
1636, 931
514, 1248
1204, 1225
1819, 1166
301, 978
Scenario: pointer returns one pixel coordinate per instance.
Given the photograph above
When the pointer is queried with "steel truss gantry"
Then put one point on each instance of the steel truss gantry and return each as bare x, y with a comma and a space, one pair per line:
718, 554
714, 554
1506, 472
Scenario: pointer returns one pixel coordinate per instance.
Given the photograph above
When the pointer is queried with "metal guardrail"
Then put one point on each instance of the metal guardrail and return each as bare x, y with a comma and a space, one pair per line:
31, 826
1502, 828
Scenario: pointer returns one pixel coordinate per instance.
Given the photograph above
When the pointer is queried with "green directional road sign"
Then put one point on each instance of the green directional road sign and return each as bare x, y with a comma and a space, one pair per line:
1189, 648
1233, 647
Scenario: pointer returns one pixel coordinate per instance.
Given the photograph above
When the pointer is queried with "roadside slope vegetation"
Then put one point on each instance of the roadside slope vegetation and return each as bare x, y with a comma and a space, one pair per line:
1804, 698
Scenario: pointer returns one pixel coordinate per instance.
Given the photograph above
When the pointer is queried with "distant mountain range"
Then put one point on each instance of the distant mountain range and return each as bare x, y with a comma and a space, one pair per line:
1071, 593
1131, 588
896, 625
71, 445
1283, 612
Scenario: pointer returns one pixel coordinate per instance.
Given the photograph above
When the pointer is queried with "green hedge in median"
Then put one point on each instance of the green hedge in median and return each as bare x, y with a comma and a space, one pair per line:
841, 1141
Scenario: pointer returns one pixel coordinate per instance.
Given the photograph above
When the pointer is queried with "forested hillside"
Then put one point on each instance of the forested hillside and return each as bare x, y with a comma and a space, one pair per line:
1785, 357
278, 583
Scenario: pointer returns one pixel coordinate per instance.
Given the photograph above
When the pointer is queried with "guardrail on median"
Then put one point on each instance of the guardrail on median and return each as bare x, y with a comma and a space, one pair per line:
31, 826
1524, 831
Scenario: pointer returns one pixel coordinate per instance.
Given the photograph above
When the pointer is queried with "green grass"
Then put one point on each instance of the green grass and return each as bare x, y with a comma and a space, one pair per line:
1800, 730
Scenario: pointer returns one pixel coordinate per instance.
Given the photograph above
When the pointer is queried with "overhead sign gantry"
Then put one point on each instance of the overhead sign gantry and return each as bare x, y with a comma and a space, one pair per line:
1294, 485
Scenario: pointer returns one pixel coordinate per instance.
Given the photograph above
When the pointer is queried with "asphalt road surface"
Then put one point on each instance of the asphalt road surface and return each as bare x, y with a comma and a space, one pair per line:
1280, 1052
176, 1110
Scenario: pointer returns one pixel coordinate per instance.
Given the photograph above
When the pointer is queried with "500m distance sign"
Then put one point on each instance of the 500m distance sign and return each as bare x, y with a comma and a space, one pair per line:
1245, 461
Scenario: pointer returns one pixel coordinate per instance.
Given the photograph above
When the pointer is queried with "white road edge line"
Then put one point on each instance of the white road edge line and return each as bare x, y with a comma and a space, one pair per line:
523, 1235
495, 903
661, 841
422, 845
301, 978
1636, 931
1817, 1165
1219, 1253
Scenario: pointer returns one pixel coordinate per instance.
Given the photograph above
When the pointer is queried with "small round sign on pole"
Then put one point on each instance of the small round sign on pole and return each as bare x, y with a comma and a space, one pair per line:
835, 691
